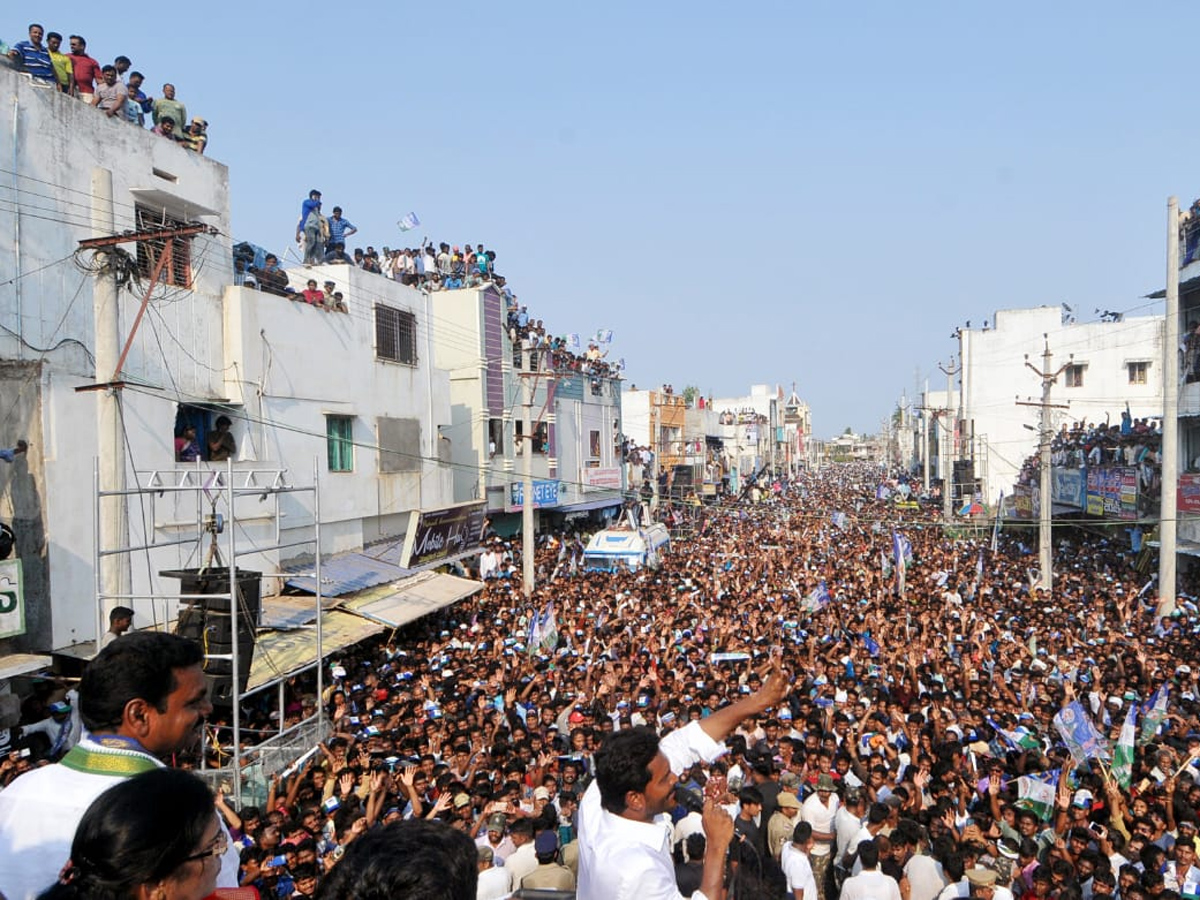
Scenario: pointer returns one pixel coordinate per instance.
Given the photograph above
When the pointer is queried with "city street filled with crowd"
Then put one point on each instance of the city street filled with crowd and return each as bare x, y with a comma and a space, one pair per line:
917, 698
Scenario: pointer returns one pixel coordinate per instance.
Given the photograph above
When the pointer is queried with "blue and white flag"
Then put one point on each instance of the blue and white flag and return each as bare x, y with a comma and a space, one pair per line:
871, 645
839, 520
1154, 713
818, 599
573, 343
604, 336
1078, 732
883, 492
409, 222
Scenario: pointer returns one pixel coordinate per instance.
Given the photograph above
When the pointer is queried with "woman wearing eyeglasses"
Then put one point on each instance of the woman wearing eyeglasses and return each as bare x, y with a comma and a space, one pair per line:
154, 836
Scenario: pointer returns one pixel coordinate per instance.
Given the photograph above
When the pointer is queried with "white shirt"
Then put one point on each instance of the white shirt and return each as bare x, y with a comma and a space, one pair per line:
847, 825
521, 862
870, 885
820, 817
958, 889
494, 884
38, 815
620, 859
863, 834
799, 872
925, 878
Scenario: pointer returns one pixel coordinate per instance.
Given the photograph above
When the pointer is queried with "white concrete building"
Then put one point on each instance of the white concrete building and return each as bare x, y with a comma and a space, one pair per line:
358, 393
1108, 364
575, 418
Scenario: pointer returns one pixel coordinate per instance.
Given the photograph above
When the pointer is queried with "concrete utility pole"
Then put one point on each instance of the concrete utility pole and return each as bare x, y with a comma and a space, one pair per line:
947, 463
114, 575
1170, 426
925, 438
1045, 434
527, 543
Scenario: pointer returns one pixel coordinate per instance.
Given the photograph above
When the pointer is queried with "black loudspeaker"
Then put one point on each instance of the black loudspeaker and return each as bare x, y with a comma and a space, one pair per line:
209, 623
964, 479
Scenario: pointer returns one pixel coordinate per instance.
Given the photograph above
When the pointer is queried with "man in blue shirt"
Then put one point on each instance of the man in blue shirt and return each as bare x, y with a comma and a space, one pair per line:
10, 455
339, 228
312, 228
34, 55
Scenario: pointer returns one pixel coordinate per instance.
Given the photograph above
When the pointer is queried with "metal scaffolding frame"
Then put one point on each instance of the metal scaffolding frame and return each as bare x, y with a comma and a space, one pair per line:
213, 484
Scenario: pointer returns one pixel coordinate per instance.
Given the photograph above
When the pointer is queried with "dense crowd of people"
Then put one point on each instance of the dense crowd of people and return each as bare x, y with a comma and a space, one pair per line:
115, 89
944, 725
1132, 443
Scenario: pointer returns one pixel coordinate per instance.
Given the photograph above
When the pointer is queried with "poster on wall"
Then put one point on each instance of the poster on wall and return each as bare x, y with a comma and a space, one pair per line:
12, 599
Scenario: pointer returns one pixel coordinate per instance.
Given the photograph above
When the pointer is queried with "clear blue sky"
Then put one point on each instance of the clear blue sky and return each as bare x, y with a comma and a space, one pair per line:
771, 192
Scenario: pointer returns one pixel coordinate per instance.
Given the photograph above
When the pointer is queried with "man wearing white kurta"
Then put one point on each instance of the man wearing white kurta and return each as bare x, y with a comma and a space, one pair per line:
624, 834
143, 697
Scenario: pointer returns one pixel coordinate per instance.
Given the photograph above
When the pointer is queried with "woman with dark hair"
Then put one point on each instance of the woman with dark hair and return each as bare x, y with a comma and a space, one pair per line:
154, 836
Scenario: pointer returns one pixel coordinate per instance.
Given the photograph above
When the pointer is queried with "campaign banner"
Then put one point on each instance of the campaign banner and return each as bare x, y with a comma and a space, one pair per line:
1022, 501
1188, 498
607, 478
1068, 487
438, 534
1112, 492
545, 494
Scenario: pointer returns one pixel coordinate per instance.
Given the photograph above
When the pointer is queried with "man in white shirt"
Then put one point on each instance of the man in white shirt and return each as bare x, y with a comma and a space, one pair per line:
819, 810
801, 885
870, 883
494, 881
142, 698
847, 822
523, 860
624, 835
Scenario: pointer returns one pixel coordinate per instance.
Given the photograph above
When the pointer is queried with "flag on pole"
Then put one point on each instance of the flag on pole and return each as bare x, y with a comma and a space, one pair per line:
409, 222
839, 520
902, 556
885, 564
818, 599
1078, 732
534, 643
1154, 712
1019, 739
549, 636
999, 519
573, 343
604, 336
1122, 762
1036, 793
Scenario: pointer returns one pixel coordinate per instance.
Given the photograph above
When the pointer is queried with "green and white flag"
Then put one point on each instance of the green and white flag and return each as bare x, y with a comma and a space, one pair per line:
1036, 795
1122, 761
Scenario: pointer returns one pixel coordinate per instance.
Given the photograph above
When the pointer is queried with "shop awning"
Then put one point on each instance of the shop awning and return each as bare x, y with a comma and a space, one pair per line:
344, 573
397, 604
591, 504
279, 654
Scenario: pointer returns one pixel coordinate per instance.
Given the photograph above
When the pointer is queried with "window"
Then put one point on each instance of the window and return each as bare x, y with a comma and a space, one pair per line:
594, 444
395, 335
541, 437
1138, 372
177, 266
1074, 375
339, 439
495, 437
